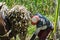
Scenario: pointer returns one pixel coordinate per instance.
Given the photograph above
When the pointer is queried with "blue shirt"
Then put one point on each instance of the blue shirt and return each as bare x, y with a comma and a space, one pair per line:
43, 21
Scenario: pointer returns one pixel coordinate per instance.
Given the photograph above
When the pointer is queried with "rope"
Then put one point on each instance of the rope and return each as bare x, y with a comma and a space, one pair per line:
7, 34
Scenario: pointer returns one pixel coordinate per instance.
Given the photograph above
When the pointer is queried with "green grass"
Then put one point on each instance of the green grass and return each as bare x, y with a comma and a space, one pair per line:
35, 6
31, 29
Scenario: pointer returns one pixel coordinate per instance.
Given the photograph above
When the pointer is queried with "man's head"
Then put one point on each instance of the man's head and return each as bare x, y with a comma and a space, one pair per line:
35, 19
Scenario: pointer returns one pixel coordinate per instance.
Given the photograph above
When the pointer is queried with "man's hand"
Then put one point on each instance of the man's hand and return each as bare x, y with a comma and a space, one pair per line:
33, 37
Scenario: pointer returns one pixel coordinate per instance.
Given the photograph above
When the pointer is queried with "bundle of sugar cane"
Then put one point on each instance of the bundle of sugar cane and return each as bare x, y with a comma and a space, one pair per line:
19, 17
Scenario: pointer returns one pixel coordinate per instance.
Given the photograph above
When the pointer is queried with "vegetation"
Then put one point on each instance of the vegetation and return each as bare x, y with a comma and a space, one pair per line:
48, 8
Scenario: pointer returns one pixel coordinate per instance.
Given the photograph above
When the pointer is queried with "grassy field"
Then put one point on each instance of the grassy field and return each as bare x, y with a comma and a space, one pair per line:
45, 7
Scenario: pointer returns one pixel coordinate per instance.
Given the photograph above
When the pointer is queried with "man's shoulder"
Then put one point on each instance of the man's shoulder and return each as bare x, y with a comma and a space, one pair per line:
40, 15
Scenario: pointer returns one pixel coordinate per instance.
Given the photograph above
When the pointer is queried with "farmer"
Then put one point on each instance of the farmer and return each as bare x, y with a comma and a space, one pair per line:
43, 26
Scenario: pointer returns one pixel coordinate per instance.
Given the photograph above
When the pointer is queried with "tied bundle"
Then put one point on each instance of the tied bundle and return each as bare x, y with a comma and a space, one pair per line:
19, 17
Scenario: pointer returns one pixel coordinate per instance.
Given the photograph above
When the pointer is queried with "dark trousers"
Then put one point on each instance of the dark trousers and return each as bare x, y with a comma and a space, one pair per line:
44, 33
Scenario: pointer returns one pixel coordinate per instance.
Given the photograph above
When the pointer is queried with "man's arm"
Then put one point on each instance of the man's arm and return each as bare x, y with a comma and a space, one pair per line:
36, 33
33, 37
